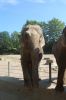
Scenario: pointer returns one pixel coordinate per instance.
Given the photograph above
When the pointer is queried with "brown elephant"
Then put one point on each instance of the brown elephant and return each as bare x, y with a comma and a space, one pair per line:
59, 51
31, 41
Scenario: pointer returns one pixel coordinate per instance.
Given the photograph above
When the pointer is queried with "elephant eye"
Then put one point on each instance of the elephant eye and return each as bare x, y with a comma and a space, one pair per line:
26, 29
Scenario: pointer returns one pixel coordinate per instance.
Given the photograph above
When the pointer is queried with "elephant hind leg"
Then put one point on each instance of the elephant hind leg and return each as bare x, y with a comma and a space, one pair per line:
59, 86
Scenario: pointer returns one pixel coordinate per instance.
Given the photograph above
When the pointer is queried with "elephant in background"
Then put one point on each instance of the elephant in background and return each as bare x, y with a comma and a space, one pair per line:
59, 51
32, 42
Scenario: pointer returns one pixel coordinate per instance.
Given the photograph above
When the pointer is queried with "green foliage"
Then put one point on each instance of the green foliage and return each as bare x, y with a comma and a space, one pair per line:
15, 41
32, 22
9, 44
48, 47
4, 41
54, 29
14, 36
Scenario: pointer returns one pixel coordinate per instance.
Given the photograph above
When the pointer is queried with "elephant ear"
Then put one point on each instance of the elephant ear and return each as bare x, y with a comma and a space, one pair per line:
25, 40
42, 41
40, 32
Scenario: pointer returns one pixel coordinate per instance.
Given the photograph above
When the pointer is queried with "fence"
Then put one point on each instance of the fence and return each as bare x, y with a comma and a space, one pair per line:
11, 69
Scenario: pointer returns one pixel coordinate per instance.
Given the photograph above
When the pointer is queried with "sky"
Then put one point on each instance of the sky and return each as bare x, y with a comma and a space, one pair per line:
15, 13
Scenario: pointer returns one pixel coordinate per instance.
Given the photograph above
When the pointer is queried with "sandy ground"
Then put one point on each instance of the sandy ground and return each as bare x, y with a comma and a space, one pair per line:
11, 81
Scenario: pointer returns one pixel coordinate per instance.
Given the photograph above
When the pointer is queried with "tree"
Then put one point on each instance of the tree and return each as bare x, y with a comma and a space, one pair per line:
15, 42
54, 29
32, 22
4, 41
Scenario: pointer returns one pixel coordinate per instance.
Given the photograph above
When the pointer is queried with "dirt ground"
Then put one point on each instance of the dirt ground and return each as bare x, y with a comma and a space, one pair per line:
11, 80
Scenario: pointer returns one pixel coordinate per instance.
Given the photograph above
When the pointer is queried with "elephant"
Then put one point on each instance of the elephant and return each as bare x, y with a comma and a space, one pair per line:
32, 42
59, 51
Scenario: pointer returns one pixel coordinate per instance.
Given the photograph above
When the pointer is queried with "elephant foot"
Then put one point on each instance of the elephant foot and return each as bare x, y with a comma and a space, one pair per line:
27, 84
59, 88
35, 85
39, 79
27, 87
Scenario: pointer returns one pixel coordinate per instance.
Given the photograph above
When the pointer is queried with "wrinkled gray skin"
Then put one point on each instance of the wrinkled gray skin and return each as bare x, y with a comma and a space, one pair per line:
59, 51
32, 41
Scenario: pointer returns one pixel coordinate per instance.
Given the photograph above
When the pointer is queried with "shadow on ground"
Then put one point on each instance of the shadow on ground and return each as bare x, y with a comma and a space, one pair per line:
13, 89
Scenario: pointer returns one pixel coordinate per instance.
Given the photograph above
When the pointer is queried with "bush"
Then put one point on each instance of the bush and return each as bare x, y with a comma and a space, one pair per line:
48, 47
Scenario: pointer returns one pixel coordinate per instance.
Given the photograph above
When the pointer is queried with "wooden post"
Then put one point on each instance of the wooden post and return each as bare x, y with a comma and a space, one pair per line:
8, 68
49, 72
49, 61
